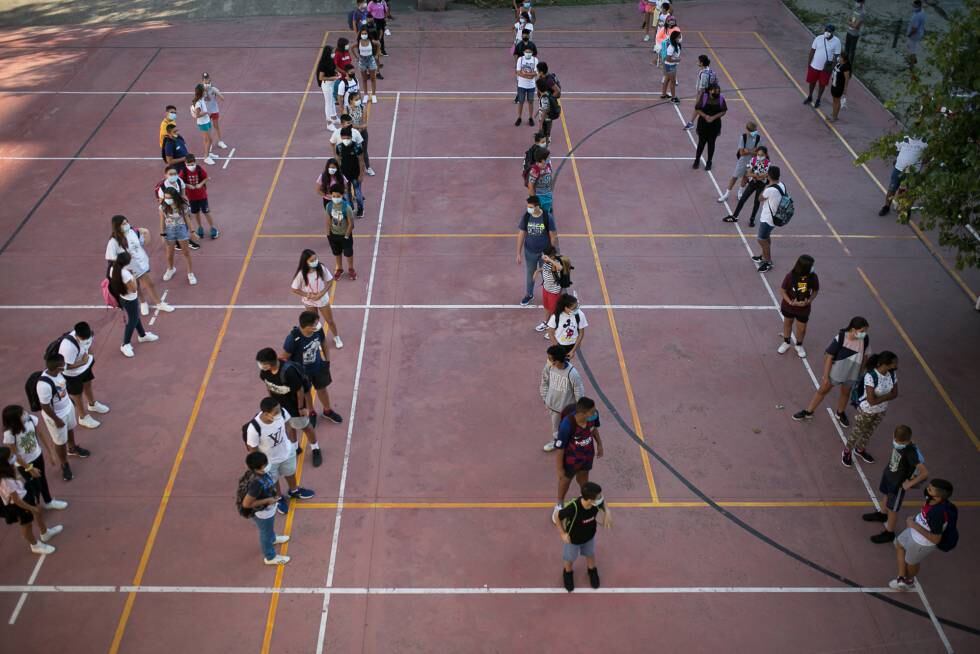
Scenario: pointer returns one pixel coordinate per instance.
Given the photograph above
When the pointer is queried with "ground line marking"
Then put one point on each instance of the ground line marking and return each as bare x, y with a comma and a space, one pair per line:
23, 596
156, 314
228, 159
433, 307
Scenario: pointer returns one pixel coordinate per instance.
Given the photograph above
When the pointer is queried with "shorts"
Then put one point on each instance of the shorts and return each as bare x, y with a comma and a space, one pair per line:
525, 95
670, 69
15, 514
741, 166
765, 229
549, 300
206, 127
285, 468
914, 552
299, 422
341, 245
896, 180
893, 498
799, 314
174, 233
368, 63
571, 552
199, 206
913, 46
215, 116
76, 384
814, 76
60, 434
322, 379
571, 471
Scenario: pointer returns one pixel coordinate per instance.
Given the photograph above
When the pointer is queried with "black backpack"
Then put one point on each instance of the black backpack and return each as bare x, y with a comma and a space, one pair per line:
30, 388
556, 89
554, 109
565, 276
243, 483
254, 422
307, 384
528, 161
163, 148
53, 346
951, 535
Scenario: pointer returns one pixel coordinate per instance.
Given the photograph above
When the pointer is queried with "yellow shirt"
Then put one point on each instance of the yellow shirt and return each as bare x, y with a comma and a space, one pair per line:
163, 128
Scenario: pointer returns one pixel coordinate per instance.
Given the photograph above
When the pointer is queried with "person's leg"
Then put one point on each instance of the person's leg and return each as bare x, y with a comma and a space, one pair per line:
702, 141
145, 286
207, 217
267, 536
291, 481
132, 318
374, 82
563, 484
820, 89
338, 263
818, 396
27, 531
42, 481
766, 245
741, 202
755, 190
809, 95
358, 196
88, 394
310, 434
835, 107
327, 313
170, 253
800, 332
582, 477
843, 397
185, 249
323, 395
76, 400
519, 99
216, 125
711, 149
913, 570
787, 328
530, 265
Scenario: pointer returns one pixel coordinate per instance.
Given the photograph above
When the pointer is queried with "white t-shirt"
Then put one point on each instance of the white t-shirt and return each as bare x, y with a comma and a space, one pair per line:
355, 136
25, 443
140, 263
178, 185
567, 328
271, 439
824, 51
884, 387
519, 30
10, 487
211, 98
909, 152
770, 203
916, 536
314, 284
72, 354
345, 87
672, 52
128, 277
525, 65
205, 117
62, 403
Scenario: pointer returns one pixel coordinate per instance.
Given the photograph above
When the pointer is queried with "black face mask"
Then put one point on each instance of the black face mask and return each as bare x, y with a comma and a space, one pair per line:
925, 491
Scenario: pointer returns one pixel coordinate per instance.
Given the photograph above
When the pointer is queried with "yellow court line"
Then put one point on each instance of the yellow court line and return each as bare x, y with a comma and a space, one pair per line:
833, 128
922, 362
199, 400
638, 428
869, 237
772, 143
669, 504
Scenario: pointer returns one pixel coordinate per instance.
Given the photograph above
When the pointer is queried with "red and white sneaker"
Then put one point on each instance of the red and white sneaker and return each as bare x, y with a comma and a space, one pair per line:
352, 274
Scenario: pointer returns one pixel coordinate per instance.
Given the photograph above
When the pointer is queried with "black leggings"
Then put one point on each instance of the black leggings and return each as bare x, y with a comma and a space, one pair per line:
38, 487
367, 159
380, 25
753, 188
708, 140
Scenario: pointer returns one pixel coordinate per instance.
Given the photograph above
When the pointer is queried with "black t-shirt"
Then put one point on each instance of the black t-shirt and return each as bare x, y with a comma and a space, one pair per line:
328, 68
347, 155
283, 385
523, 45
583, 526
837, 78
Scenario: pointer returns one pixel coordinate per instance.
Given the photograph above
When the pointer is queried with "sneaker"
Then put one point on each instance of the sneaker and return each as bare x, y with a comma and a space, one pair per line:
370, 171
549, 446
530, 122
169, 273
177, 247
209, 160
352, 274
802, 415
148, 337
752, 221
144, 309
783, 347
816, 104
707, 166
842, 419
696, 164
194, 245
517, 122
526, 300
51, 532
874, 516
360, 212
380, 76
646, 37
387, 32
738, 195
865, 456
333, 416
301, 493
765, 266
724, 196
594, 577
337, 343
42, 548
98, 407
66, 474
127, 350
281, 559
800, 352
222, 145
89, 422
882, 538
338, 273
884, 210
282, 506
214, 233
166, 308
845, 459
675, 100
730, 218
317, 457
901, 583
541, 327
808, 100
554, 513
200, 232
757, 258
689, 125
281, 538
56, 505
191, 279
79, 451
374, 99
365, 100
568, 579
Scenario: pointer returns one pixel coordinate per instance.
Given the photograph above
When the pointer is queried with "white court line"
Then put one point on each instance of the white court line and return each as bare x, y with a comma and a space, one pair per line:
394, 94
156, 314
932, 616
324, 158
228, 159
433, 307
30, 584
335, 539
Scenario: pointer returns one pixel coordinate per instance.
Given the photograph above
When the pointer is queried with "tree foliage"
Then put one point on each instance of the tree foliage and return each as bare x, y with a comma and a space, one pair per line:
945, 190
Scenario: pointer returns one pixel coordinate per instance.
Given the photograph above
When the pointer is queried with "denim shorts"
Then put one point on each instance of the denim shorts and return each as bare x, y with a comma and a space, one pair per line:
525, 95
765, 229
670, 69
176, 233
571, 552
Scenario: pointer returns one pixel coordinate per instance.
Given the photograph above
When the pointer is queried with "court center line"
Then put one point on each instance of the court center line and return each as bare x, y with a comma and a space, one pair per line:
199, 400
322, 158
682, 504
634, 413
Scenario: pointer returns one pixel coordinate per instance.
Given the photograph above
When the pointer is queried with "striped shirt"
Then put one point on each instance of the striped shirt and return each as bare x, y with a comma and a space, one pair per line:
549, 280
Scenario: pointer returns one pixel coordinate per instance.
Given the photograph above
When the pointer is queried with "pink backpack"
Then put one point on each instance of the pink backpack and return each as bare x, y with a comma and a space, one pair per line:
107, 296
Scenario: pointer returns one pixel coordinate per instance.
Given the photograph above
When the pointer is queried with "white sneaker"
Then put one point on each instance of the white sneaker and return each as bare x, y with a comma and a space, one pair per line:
166, 308
554, 513
89, 422
374, 99
337, 342
98, 407
387, 32
331, 127
282, 559
547, 336
740, 192
51, 533
169, 273
646, 37
191, 279
783, 347
149, 337
56, 505
800, 352
281, 539
127, 350
723, 196
900, 584
42, 548
144, 309
549, 446
222, 145
209, 160
370, 171
541, 327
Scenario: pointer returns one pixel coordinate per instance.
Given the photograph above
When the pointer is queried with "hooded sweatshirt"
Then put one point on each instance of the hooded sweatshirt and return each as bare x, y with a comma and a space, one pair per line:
560, 386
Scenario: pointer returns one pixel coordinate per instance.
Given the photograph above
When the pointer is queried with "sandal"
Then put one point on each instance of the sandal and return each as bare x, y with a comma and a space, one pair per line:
729, 219
351, 274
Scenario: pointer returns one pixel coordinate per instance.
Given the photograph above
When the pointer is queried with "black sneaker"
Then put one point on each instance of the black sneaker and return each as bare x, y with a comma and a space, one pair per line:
194, 245
516, 101
379, 75
360, 212
317, 458
333, 417
845, 458
730, 219
808, 100
517, 122
66, 472
530, 121
884, 210
884, 537
594, 577
844, 422
757, 258
707, 166
526, 300
696, 164
816, 104
874, 516
675, 100
299, 449
80, 452
751, 222
765, 266
802, 415
867, 458
569, 580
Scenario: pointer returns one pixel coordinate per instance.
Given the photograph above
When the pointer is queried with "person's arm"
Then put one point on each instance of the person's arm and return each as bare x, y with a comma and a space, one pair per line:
250, 502
521, 235
847, 79
350, 222
578, 386
606, 515
931, 537
19, 501
578, 342
553, 238
828, 361
545, 383
598, 443
560, 525
921, 474
810, 58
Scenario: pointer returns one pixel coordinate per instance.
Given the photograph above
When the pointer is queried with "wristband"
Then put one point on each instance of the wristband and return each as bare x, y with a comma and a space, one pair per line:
29, 467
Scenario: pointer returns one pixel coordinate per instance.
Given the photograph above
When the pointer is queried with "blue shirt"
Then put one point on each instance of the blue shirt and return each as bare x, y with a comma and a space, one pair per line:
175, 149
537, 230
305, 350
917, 25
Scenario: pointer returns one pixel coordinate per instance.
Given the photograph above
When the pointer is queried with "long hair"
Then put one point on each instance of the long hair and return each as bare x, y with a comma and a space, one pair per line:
304, 269
803, 267
116, 283
326, 64
857, 322
179, 205
7, 470
885, 357
326, 179
117, 232
198, 92
564, 302
13, 418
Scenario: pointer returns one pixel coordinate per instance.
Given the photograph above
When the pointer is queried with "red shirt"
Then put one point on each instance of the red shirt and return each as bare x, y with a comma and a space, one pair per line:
342, 59
195, 177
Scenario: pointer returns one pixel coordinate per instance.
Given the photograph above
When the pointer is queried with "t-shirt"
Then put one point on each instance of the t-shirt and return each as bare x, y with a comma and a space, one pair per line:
59, 399
176, 148
173, 217
339, 213
801, 288
334, 180
73, 353
704, 77
355, 136
523, 45
139, 260
306, 350
917, 26
886, 382
127, 277
519, 28
527, 66
856, 21
901, 465
577, 442
345, 87
283, 385
163, 128
350, 165
203, 117
9, 487
314, 284
837, 78
270, 439
211, 98
537, 229
770, 202
25, 443
824, 51
541, 176
177, 184
378, 10
263, 487
932, 517
673, 54
847, 356
567, 326
583, 529
195, 177
549, 280
342, 59
909, 152
759, 167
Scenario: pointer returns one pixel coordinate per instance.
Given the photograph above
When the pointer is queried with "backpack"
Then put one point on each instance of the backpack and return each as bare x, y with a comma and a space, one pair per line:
30, 388
243, 483
554, 109
784, 212
712, 78
564, 278
307, 384
111, 301
556, 89
951, 535
254, 422
52, 348
528, 162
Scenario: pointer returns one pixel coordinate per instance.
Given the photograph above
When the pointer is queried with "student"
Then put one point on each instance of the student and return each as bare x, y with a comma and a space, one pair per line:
526, 74
173, 228
770, 204
550, 79
668, 25
923, 533
342, 57
340, 233
551, 290
169, 118
267, 433
358, 18
326, 75
261, 498
839, 78
330, 177
540, 143
356, 119
351, 159
916, 32
706, 77
199, 110
910, 150
525, 8
174, 148
312, 284
878, 387
75, 347
304, 346
566, 326
797, 293
561, 385
122, 284
576, 446
823, 53
20, 506
381, 13
671, 51
126, 239
523, 42
577, 527
195, 179
757, 175
650, 14
287, 384
548, 107
710, 108
535, 231
906, 468
172, 179
20, 435
541, 180
367, 53
523, 29
211, 97
58, 413
844, 359
748, 142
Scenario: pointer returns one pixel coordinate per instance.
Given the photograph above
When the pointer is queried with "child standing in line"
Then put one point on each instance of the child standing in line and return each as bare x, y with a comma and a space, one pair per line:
312, 284
576, 447
20, 505
340, 232
906, 468
211, 97
196, 187
551, 269
561, 386
199, 109
872, 394
577, 528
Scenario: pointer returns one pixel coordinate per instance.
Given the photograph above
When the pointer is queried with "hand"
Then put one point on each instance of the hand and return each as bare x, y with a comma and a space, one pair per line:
58, 422
571, 355
304, 411
907, 484
565, 538
843, 101
909, 522
36, 510
598, 451
519, 259
34, 472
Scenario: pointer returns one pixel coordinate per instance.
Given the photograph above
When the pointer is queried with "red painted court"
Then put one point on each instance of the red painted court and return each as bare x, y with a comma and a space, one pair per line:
430, 531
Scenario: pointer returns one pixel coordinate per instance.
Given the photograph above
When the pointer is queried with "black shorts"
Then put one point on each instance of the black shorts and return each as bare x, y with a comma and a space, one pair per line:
571, 471
799, 314
198, 206
76, 384
341, 245
893, 496
14, 514
322, 379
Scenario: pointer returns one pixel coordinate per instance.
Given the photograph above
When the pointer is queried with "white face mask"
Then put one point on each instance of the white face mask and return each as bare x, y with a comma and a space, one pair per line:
192, 167
86, 342
171, 178
125, 229
169, 200
528, 55
259, 365
336, 200
364, 37
332, 171
313, 264
172, 116
346, 141
531, 209
827, 35
899, 446
860, 335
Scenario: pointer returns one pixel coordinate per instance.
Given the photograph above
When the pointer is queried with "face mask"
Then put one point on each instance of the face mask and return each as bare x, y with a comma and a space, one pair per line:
332, 171
531, 209
527, 5
259, 365
172, 116
343, 49
346, 141
827, 35
85, 342
364, 37
528, 55
336, 200
191, 167
899, 446
125, 229
207, 85
861, 335
313, 264
169, 201
594, 416
171, 178
522, 21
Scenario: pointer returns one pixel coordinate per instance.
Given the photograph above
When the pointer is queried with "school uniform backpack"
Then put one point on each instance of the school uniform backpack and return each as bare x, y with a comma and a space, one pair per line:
785, 210
951, 535
556, 88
